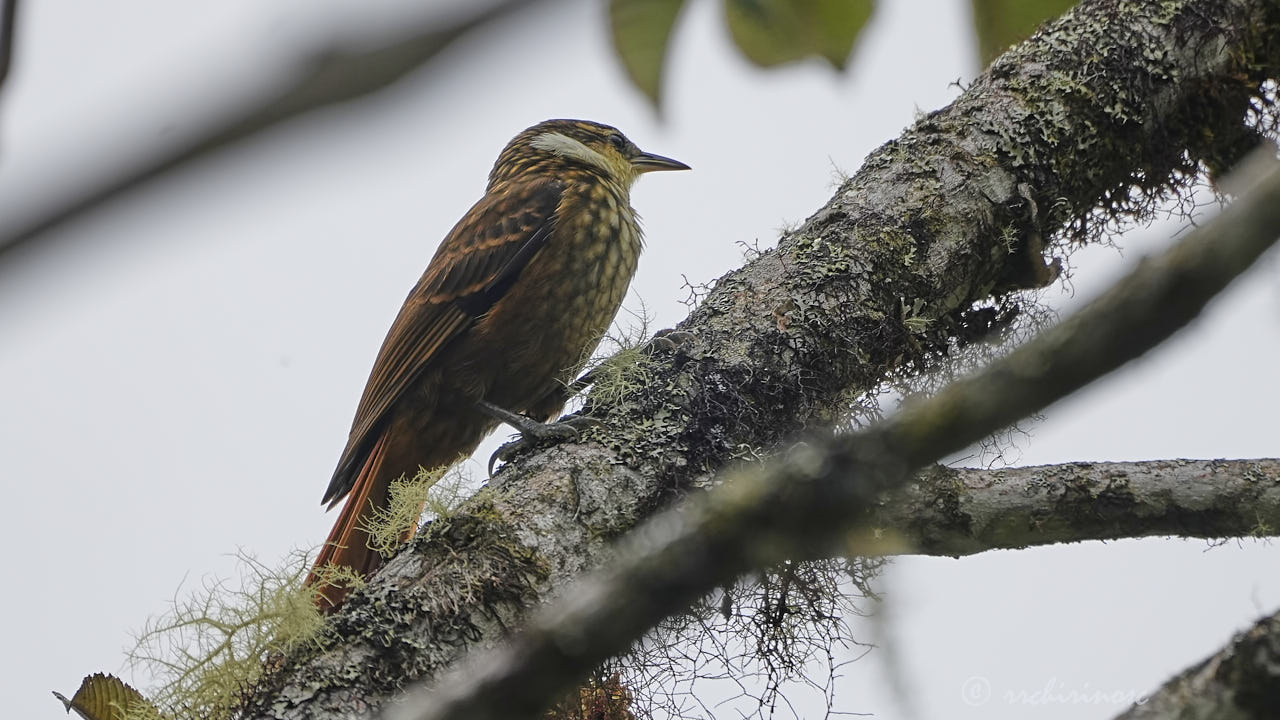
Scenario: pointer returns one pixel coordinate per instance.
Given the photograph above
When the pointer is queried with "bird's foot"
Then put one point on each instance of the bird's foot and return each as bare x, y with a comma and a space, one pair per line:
532, 432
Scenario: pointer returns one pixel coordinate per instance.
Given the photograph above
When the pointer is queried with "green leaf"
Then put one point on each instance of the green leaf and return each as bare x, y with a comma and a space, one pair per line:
105, 697
1001, 23
772, 32
641, 33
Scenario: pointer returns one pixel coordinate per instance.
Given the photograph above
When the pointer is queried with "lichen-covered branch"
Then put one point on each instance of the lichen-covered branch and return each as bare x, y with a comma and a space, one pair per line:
1239, 682
815, 499
956, 512
1111, 104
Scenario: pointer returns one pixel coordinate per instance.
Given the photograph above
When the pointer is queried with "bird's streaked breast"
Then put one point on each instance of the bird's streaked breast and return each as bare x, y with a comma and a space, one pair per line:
570, 291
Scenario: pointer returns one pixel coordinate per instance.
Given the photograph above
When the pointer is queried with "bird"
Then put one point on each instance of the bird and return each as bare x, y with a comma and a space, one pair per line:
515, 299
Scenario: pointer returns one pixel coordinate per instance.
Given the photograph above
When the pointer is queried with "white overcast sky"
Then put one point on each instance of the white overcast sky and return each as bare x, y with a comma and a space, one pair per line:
178, 371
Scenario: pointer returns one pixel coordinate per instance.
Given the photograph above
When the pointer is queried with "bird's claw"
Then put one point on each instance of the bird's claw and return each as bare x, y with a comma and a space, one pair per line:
535, 433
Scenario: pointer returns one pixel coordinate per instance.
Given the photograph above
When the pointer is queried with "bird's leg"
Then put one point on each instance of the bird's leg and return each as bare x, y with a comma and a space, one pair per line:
527, 425
531, 431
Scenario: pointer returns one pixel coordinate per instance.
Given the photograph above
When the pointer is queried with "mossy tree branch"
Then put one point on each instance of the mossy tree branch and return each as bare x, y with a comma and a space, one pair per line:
1088, 122
815, 500
947, 511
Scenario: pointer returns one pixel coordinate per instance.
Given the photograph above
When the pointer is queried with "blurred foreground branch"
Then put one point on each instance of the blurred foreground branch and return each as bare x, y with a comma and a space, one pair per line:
810, 503
327, 76
8, 17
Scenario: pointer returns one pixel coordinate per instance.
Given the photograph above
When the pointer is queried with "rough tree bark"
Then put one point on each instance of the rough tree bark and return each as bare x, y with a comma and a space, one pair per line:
1093, 119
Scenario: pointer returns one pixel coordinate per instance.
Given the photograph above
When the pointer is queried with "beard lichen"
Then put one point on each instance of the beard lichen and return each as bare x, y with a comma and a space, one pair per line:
216, 644
753, 648
436, 492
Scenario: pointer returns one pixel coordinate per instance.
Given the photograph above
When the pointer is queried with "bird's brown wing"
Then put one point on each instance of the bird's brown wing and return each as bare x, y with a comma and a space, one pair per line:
474, 267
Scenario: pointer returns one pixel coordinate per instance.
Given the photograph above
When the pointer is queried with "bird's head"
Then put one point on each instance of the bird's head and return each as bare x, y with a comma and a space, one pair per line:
556, 146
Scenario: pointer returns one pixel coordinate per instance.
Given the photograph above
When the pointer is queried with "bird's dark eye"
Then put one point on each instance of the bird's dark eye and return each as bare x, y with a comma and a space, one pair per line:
617, 141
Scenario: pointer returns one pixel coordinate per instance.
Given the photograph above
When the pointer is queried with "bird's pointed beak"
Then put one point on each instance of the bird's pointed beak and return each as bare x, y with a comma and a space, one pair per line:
648, 162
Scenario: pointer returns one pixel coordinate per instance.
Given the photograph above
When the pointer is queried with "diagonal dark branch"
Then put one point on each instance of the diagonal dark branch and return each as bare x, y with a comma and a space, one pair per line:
806, 504
8, 17
331, 75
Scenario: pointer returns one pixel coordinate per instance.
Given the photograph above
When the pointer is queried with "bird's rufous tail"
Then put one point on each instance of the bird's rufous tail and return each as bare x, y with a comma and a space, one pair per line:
348, 543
